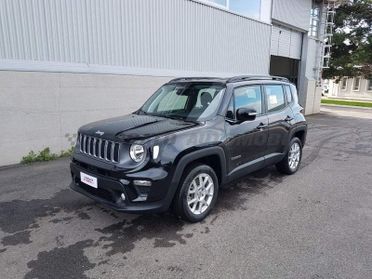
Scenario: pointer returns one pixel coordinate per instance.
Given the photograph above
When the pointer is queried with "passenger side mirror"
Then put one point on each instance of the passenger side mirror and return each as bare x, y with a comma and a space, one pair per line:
246, 114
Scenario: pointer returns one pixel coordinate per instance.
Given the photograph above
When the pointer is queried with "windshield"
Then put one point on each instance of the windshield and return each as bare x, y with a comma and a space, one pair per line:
187, 101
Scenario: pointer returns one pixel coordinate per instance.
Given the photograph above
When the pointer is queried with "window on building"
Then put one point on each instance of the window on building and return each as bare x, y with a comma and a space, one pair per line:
249, 8
369, 84
275, 97
314, 21
344, 83
356, 84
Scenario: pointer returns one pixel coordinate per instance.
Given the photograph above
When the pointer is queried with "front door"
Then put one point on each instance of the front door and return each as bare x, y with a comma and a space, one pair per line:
247, 140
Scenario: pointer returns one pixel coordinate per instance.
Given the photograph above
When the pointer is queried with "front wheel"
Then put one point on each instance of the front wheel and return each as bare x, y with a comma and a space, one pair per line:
292, 160
197, 193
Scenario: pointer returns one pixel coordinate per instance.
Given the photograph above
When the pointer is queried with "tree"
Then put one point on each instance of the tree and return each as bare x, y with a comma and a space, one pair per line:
352, 41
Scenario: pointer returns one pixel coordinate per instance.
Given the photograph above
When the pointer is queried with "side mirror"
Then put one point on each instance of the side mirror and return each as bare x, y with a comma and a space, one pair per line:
246, 114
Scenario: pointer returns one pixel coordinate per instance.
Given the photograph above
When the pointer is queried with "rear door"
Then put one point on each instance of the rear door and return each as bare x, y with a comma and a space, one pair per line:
280, 117
247, 140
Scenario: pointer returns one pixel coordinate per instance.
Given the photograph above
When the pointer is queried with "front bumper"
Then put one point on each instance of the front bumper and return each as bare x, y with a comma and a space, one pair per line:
158, 196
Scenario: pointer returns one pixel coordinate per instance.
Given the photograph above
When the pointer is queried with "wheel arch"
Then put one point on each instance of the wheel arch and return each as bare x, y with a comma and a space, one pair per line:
211, 156
300, 132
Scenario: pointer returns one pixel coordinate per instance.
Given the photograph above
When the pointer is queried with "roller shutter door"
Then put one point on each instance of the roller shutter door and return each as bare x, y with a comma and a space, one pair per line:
286, 42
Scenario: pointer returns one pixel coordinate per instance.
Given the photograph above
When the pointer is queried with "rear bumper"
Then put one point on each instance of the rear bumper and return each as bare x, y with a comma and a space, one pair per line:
110, 190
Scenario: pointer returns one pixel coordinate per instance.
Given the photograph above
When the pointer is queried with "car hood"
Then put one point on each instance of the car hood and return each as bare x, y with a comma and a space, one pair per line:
134, 126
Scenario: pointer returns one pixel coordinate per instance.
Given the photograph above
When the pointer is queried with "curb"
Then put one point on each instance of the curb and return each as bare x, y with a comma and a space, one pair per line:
345, 106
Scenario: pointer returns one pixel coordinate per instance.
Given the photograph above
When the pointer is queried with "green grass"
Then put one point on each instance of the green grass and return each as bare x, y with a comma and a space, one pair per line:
347, 103
45, 155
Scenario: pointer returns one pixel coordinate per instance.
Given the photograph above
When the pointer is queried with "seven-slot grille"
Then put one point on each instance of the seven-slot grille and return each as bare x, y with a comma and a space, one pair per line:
100, 148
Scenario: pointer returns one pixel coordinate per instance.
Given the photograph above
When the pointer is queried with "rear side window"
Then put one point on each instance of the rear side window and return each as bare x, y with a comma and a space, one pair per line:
288, 94
275, 97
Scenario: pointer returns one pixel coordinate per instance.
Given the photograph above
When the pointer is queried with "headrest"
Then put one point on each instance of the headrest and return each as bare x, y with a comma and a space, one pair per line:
205, 99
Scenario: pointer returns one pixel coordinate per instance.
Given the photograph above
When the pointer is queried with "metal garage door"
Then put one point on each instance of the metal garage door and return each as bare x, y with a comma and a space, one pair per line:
286, 42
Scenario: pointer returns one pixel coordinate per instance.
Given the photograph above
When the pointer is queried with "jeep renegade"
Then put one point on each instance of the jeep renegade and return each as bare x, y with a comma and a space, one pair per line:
192, 137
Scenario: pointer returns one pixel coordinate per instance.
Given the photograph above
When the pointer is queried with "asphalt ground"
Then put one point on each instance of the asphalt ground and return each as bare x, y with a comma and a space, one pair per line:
314, 224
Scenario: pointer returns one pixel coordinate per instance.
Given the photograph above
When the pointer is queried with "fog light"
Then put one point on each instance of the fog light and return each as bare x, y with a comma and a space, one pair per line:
142, 183
141, 198
123, 196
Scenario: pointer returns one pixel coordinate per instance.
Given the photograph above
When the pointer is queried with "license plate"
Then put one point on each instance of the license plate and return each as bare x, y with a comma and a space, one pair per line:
89, 180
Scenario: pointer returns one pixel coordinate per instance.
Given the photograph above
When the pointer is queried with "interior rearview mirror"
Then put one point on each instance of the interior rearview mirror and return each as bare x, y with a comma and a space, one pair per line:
246, 114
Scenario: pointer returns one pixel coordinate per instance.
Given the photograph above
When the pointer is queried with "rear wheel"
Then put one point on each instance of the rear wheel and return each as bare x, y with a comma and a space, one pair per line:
291, 162
197, 193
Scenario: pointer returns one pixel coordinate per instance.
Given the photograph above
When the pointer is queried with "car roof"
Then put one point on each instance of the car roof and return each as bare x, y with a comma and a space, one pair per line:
234, 79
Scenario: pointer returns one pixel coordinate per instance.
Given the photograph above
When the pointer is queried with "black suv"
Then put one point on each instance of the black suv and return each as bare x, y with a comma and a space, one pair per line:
193, 136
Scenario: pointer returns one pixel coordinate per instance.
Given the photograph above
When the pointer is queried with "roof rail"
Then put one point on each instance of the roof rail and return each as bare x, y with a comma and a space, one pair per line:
251, 77
191, 78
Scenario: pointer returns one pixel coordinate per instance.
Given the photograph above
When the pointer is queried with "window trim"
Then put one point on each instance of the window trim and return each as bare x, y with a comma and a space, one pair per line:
346, 84
354, 79
213, 4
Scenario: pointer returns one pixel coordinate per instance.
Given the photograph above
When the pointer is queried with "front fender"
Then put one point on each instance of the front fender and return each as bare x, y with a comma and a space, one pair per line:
185, 160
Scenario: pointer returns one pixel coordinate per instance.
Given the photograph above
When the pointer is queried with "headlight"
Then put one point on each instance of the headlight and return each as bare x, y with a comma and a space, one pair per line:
137, 152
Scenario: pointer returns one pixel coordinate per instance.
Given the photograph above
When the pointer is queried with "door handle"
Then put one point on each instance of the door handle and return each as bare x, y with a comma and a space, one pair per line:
288, 118
261, 126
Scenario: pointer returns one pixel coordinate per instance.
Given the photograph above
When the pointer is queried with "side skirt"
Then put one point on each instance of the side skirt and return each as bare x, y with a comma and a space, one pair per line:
253, 166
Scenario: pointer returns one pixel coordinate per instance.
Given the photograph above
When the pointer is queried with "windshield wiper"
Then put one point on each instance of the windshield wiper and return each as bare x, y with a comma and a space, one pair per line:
175, 117
178, 117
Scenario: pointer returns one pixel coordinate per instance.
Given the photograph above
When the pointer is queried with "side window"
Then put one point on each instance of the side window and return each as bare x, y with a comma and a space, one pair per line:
275, 97
288, 94
248, 97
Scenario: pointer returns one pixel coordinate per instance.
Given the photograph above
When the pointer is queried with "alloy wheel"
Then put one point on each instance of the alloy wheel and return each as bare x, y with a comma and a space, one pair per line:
294, 156
200, 193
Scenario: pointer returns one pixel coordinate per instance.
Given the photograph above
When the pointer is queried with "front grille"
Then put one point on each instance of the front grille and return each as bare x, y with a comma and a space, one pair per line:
99, 148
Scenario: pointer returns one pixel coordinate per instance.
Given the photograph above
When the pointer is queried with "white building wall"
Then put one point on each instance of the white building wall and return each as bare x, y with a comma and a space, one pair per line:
39, 110
310, 94
147, 42
295, 13
363, 93
126, 36
57, 58
265, 11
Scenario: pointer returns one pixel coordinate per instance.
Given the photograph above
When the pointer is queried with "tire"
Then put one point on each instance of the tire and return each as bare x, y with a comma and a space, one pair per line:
185, 194
285, 166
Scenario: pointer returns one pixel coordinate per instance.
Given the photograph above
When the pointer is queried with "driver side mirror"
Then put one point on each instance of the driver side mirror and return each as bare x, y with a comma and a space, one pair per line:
246, 114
